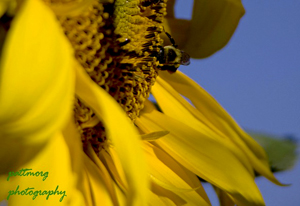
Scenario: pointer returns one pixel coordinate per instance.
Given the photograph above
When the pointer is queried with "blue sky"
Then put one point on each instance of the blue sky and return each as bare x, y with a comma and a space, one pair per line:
256, 78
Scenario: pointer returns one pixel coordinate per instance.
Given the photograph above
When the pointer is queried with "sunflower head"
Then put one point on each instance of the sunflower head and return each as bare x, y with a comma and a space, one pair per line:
118, 44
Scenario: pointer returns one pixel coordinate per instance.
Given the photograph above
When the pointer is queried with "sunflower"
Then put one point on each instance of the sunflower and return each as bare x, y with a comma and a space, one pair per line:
76, 127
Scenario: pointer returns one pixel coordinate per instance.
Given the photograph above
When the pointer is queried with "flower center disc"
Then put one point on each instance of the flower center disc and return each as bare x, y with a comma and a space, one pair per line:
117, 44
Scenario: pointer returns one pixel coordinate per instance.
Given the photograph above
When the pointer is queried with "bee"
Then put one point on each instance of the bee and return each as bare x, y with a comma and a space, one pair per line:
171, 57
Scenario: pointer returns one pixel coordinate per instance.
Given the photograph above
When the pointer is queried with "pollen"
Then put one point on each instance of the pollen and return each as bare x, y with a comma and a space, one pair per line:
116, 42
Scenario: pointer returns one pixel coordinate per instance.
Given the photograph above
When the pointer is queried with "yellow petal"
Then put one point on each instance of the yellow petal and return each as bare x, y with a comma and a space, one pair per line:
204, 156
80, 163
36, 82
55, 160
102, 190
112, 163
217, 118
155, 200
173, 177
225, 199
212, 25
175, 106
154, 135
121, 132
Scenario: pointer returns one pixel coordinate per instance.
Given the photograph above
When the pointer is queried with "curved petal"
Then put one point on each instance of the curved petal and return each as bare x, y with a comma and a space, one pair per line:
225, 199
178, 180
212, 25
153, 135
35, 65
113, 165
204, 156
175, 106
53, 165
215, 117
155, 200
79, 162
125, 138
100, 186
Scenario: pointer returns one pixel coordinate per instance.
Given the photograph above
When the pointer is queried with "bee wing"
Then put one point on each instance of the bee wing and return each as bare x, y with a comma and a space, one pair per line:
185, 58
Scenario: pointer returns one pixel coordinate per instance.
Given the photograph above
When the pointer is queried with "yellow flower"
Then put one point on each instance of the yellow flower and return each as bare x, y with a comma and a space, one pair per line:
86, 121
